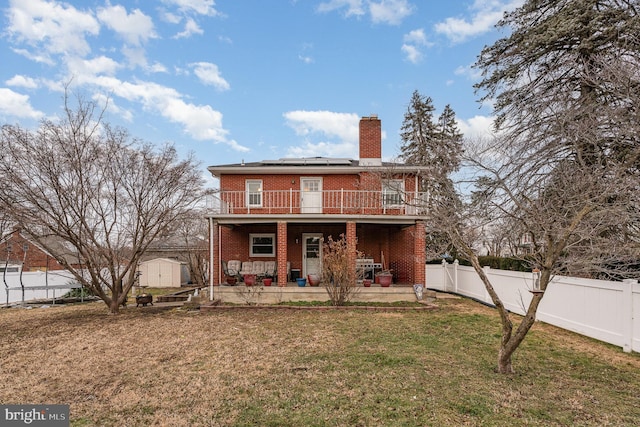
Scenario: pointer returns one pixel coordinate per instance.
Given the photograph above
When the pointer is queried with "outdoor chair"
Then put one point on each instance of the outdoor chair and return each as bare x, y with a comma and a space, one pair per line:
247, 268
270, 269
258, 269
231, 269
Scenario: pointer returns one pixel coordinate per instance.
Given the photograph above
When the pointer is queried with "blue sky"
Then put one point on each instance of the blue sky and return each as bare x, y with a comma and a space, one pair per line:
233, 80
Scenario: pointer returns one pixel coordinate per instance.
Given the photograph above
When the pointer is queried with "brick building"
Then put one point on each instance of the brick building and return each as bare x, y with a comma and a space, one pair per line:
279, 210
17, 249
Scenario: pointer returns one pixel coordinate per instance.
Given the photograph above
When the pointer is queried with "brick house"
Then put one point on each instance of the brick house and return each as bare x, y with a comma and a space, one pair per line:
279, 210
17, 249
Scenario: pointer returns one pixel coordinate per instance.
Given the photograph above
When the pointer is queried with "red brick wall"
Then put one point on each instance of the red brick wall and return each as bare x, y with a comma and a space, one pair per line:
401, 255
35, 260
290, 181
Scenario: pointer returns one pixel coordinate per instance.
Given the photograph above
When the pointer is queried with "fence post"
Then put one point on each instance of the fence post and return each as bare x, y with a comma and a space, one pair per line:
627, 314
443, 264
456, 263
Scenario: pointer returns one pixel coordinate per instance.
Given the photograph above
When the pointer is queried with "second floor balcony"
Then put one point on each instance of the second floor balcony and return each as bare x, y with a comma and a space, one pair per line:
326, 202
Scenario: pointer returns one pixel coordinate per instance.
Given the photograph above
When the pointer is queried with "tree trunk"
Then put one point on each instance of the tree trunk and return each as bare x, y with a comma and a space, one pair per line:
504, 361
114, 306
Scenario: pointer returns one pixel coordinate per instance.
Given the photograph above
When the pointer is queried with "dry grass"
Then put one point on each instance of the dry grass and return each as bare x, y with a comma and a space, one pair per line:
179, 368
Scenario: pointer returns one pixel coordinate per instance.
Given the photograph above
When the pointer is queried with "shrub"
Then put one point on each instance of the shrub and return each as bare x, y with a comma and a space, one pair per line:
338, 274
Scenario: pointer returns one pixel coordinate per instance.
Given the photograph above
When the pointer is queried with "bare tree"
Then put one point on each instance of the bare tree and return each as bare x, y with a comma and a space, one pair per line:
104, 194
193, 231
564, 170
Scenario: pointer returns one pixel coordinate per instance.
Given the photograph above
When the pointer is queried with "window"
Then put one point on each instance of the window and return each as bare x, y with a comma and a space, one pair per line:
262, 245
254, 193
392, 190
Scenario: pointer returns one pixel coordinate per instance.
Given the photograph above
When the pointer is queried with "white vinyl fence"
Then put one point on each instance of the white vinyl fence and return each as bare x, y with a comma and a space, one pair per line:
27, 286
605, 310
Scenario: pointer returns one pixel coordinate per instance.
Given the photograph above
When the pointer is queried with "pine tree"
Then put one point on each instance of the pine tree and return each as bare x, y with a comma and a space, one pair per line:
436, 146
418, 131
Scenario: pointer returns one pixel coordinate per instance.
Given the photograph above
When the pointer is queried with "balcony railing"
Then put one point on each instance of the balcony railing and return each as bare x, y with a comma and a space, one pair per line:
332, 202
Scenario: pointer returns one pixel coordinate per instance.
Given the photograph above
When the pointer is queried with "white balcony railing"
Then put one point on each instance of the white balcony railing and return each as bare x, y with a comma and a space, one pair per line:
354, 202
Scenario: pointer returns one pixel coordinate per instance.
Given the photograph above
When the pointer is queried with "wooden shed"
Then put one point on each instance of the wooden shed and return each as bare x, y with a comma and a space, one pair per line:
163, 273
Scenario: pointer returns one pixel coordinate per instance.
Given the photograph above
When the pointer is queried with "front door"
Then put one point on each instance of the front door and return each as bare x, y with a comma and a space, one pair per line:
311, 195
312, 254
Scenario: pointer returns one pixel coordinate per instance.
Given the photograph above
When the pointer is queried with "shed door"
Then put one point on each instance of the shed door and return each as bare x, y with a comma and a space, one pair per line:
311, 195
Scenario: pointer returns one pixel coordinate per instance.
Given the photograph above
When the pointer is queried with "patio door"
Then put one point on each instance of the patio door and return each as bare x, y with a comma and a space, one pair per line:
311, 195
311, 254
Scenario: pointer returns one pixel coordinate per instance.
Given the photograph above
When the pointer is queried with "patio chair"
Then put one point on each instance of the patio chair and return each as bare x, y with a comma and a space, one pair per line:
247, 268
231, 269
270, 269
258, 269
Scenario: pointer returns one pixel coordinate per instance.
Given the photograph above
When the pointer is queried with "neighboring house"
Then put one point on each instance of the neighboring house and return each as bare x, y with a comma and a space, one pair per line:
163, 273
18, 249
280, 210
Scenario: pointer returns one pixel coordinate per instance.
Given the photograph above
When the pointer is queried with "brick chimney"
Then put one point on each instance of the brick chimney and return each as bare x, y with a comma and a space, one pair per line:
370, 141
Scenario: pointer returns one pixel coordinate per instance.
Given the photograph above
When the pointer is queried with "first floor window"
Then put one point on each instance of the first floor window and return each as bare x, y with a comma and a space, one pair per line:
392, 190
254, 193
262, 245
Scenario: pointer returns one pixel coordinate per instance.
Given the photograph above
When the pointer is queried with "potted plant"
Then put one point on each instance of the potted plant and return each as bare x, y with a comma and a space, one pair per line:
314, 279
267, 281
366, 283
301, 282
249, 279
384, 278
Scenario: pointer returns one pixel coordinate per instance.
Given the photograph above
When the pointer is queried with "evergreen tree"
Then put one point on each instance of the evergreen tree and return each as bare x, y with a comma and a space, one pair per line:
418, 131
435, 145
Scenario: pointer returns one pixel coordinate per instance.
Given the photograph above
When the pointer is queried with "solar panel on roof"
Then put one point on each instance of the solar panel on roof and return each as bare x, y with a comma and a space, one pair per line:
312, 161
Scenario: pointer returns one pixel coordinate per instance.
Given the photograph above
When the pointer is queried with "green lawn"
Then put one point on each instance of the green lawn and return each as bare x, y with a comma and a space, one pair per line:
309, 368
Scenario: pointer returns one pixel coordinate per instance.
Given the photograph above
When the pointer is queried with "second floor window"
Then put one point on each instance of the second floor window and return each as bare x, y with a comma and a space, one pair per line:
392, 190
254, 193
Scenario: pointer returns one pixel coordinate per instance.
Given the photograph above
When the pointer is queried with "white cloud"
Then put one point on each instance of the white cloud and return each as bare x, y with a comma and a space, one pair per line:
342, 125
102, 99
190, 27
324, 126
22, 81
416, 37
157, 68
51, 27
485, 14
354, 7
44, 59
135, 27
169, 17
101, 65
202, 7
477, 127
412, 53
390, 12
304, 56
136, 56
413, 40
14, 104
201, 122
209, 74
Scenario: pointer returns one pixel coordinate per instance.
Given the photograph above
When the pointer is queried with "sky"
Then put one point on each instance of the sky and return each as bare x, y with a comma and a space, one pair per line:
247, 80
